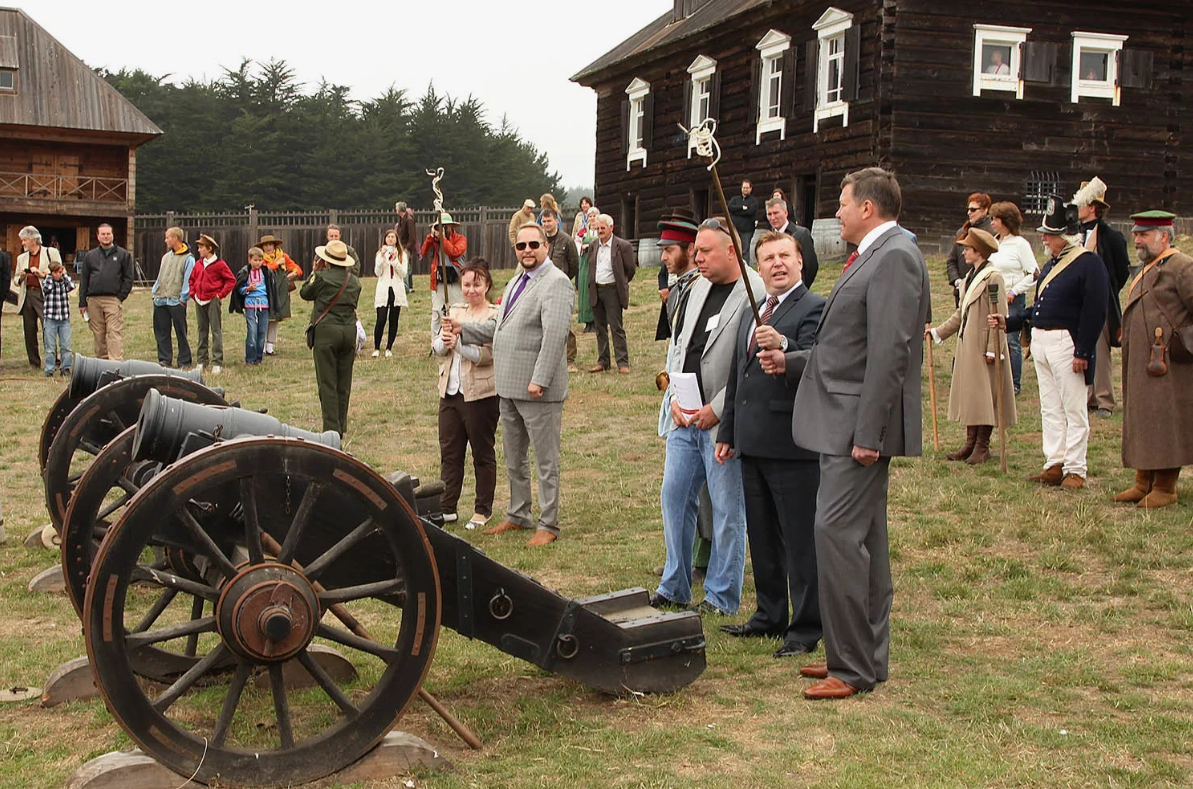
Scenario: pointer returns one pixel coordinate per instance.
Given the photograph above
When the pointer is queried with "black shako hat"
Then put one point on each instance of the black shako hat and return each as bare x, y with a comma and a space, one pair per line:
1060, 218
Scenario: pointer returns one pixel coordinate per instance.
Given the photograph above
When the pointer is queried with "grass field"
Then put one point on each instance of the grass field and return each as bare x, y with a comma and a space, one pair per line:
1040, 638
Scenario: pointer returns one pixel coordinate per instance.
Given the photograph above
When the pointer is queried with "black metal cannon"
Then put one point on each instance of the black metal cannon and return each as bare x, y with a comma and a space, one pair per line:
239, 555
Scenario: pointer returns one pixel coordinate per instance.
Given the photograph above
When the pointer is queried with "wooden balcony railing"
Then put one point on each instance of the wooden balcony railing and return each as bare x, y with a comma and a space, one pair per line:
45, 186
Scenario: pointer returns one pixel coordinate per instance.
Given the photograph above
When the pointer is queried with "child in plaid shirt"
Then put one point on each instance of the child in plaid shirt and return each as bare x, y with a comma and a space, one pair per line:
56, 290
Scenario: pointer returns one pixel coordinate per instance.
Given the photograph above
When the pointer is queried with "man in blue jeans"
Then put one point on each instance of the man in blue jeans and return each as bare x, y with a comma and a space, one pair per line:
706, 330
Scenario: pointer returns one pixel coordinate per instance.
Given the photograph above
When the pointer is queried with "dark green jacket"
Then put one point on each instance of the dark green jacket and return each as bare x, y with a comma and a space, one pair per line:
321, 287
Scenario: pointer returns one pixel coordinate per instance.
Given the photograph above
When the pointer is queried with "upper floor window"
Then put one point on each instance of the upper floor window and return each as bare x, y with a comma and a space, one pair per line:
775, 71
636, 121
1096, 66
8, 81
701, 94
997, 54
837, 46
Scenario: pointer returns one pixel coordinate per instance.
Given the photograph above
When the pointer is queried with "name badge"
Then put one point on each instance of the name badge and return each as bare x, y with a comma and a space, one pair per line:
713, 323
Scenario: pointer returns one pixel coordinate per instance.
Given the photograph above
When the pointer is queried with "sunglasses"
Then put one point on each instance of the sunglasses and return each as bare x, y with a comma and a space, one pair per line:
713, 223
523, 244
971, 209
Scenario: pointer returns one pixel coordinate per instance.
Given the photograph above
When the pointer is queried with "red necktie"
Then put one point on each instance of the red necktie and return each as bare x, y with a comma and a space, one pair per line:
771, 303
849, 262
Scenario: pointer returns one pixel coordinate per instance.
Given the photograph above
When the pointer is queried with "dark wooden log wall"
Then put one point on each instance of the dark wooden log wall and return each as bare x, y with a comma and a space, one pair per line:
670, 179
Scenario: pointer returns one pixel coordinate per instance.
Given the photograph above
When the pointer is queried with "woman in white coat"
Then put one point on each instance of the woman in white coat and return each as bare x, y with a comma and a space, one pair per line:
390, 297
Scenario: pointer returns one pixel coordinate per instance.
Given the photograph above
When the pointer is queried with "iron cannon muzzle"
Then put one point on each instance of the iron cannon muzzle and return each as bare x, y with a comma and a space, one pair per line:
169, 428
90, 374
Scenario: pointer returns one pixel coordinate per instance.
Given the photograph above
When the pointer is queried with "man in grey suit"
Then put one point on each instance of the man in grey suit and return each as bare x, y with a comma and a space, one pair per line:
858, 405
705, 333
529, 336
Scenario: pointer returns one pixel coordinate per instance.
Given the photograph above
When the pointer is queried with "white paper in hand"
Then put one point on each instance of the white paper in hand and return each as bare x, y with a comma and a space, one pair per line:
685, 389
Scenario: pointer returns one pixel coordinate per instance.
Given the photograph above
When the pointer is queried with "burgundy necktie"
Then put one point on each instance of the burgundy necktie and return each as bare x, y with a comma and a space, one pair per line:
771, 303
849, 262
517, 292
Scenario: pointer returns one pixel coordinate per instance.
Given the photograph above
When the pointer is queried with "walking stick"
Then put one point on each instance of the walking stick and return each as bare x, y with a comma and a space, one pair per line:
706, 145
992, 291
932, 394
436, 177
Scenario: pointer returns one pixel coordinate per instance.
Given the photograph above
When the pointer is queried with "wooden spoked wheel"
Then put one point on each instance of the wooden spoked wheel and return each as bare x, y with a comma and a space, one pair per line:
95, 421
285, 535
65, 403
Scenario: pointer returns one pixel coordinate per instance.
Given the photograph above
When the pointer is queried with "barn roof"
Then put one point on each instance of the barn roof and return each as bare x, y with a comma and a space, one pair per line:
57, 90
665, 30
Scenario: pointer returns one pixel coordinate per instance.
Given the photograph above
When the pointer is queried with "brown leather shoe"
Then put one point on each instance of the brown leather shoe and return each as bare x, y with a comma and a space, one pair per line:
1073, 482
1136, 493
1053, 475
1163, 492
623, 370
502, 528
815, 671
600, 368
830, 688
541, 537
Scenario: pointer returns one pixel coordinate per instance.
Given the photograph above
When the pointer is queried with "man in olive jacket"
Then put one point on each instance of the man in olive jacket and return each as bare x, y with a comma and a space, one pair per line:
566, 258
612, 266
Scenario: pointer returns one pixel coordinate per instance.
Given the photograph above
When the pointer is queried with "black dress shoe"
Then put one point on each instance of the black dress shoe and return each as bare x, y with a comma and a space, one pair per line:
659, 601
747, 631
788, 650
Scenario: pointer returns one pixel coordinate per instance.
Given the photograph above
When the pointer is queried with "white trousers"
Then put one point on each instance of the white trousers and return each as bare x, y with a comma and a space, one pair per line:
1064, 418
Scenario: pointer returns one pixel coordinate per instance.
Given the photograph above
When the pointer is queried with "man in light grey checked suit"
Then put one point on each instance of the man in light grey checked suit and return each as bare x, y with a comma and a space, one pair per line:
858, 405
529, 336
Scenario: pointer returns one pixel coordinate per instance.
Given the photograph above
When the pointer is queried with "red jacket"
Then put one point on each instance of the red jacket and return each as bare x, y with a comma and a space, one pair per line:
456, 247
211, 282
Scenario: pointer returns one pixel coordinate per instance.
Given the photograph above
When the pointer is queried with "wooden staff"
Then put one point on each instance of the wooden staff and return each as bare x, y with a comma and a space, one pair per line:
932, 394
993, 292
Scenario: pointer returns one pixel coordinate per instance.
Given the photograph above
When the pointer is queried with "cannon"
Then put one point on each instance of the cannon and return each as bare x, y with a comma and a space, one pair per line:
277, 538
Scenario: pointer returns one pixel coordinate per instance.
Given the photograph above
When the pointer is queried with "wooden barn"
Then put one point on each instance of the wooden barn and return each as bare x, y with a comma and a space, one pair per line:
1018, 99
68, 143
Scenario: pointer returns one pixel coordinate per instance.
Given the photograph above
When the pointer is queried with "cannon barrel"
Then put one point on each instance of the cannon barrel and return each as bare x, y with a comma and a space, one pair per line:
90, 374
168, 428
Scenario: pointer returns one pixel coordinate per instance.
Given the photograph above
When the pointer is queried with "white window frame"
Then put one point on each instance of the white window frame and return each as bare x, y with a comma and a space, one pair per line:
831, 25
1012, 37
12, 72
771, 49
702, 70
637, 91
1107, 43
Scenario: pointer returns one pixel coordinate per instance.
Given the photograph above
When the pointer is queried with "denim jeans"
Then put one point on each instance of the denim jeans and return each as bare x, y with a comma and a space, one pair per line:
257, 324
57, 337
690, 463
1015, 348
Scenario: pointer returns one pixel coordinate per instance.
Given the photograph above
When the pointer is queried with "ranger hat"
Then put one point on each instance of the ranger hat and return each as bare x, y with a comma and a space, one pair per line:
1150, 220
335, 253
208, 242
980, 241
1060, 218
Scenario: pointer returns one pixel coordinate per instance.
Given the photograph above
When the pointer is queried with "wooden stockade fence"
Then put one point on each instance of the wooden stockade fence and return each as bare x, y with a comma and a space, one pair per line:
487, 231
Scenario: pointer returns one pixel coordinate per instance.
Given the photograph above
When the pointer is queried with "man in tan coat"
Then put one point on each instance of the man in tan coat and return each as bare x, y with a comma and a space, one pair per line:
523, 216
1157, 364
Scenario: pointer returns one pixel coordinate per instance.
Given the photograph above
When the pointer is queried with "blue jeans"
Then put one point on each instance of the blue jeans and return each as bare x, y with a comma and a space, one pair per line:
1015, 348
689, 465
57, 336
257, 324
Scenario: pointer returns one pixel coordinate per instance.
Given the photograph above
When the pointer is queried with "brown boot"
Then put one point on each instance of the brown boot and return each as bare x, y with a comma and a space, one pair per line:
971, 437
1136, 493
981, 448
1053, 475
1163, 492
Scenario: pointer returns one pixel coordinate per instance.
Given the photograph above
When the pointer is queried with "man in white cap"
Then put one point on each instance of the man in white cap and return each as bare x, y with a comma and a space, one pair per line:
523, 216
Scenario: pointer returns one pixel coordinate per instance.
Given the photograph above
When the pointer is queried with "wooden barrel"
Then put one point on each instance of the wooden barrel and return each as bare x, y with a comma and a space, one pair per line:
826, 236
649, 253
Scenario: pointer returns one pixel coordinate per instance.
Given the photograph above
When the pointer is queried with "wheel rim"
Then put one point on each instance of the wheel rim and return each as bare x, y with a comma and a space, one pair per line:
58, 413
348, 538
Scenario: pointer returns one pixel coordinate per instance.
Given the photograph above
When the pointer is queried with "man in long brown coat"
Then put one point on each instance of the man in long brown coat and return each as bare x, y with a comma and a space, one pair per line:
1157, 397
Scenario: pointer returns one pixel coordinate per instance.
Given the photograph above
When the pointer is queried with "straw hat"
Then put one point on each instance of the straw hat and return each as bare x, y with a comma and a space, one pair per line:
335, 253
981, 242
269, 238
447, 220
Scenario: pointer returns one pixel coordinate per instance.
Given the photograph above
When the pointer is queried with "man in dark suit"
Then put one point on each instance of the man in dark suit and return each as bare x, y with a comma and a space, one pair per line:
611, 268
858, 405
779, 479
776, 217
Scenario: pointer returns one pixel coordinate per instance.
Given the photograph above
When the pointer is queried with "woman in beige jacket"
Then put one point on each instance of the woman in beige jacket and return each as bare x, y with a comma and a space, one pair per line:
973, 397
468, 402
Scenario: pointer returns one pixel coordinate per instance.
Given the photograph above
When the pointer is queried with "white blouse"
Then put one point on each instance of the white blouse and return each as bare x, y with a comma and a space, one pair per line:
1016, 261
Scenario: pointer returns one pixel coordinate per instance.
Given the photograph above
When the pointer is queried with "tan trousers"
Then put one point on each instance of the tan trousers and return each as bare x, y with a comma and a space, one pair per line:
1101, 393
106, 315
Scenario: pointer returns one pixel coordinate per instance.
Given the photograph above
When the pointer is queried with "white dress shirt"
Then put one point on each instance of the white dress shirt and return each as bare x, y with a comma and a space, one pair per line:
604, 263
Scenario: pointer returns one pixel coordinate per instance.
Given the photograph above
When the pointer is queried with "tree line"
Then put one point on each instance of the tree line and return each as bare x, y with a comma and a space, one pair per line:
254, 135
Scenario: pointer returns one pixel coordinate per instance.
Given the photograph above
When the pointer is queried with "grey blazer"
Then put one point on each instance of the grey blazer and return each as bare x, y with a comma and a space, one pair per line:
861, 382
529, 340
716, 364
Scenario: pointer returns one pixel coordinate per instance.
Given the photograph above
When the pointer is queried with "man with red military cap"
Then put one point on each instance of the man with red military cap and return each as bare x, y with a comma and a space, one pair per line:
1157, 344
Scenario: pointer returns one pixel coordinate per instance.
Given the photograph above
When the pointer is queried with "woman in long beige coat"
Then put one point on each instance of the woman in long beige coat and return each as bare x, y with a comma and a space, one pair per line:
972, 399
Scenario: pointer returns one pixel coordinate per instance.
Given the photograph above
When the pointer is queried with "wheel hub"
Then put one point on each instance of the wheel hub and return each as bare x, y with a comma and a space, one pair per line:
268, 613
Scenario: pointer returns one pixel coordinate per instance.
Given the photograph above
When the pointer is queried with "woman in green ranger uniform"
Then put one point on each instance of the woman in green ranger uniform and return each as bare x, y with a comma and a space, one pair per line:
334, 289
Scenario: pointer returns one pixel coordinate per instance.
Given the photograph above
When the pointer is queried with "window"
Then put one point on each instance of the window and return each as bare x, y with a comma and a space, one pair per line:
1095, 66
637, 121
8, 81
775, 52
836, 65
1040, 186
996, 58
701, 94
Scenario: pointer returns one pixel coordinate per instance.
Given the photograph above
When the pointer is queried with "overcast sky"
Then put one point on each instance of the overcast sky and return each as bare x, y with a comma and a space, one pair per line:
479, 47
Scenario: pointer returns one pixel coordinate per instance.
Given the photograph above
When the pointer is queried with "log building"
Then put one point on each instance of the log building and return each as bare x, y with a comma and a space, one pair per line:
68, 143
1017, 99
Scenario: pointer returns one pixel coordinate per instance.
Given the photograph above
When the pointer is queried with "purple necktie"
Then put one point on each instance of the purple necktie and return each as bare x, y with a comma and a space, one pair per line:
517, 292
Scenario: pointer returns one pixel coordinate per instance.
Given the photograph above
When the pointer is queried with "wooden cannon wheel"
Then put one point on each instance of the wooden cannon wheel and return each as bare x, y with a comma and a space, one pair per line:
62, 407
343, 537
95, 421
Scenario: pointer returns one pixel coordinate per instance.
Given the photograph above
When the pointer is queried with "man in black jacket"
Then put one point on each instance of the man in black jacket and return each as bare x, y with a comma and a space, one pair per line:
780, 479
566, 258
1110, 245
743, 211
105, 280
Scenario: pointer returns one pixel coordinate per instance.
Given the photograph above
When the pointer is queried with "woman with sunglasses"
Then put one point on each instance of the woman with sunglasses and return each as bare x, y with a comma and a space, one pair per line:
977, 215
